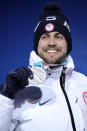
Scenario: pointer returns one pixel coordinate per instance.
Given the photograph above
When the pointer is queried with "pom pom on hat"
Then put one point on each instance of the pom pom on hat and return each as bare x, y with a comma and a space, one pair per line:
52, 7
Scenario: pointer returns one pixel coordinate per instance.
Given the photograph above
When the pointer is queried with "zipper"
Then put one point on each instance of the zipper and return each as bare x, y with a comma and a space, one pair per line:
62, 84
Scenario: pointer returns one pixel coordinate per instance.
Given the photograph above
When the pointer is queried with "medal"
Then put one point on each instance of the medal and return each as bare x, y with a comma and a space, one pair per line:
39, 75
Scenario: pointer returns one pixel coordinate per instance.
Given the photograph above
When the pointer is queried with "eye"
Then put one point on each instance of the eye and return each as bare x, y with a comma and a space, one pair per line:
44, 36
59, 36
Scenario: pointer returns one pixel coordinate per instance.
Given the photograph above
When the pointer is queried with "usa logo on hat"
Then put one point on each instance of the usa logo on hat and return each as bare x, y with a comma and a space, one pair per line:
85, 97
49, 27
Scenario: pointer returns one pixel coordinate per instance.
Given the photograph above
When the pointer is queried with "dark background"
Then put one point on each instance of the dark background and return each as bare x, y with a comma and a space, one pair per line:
18, 19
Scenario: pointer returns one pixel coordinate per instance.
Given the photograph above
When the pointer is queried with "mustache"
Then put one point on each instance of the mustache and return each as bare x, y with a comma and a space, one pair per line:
53, 48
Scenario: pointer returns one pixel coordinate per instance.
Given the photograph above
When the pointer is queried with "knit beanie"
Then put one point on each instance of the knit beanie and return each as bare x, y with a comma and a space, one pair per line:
52, 20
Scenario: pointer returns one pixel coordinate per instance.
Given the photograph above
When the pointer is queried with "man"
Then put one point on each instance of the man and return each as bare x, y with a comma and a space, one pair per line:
56, 97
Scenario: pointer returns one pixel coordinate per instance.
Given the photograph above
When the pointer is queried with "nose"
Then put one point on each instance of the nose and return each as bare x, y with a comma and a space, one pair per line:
52, 42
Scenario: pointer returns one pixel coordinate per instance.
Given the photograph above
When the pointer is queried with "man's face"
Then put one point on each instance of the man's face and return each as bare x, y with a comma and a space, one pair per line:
52, 47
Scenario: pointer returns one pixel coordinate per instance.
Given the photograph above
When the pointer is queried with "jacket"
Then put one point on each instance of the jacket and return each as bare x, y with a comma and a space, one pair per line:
51, 113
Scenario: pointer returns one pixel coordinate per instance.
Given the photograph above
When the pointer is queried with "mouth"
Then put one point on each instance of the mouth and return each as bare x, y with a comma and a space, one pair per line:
52, 51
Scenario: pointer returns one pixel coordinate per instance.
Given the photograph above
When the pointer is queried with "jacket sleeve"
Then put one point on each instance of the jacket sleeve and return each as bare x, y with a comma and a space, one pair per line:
6, 112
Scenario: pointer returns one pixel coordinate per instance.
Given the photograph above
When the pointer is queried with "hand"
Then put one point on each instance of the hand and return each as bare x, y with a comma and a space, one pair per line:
16, 80
32, 94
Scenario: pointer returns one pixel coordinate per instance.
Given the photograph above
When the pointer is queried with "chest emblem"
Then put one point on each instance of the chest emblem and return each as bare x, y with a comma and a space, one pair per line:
85, 97
41, 104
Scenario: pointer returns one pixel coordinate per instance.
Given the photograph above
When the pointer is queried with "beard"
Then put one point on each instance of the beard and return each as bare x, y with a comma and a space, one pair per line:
53, 59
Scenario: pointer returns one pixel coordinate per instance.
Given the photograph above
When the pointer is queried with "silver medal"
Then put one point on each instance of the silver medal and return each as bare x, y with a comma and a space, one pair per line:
39, 75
